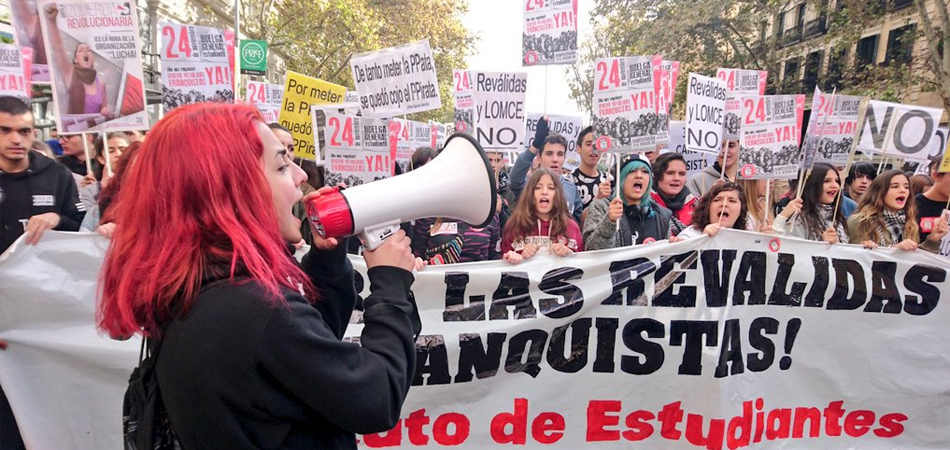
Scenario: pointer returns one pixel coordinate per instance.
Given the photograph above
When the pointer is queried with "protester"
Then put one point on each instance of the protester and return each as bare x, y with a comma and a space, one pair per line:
670, 192
99, 215
591, 182
859, 180
36, 195
553, 148
814, 214
444, 241
43, 148
932, 203
702, 182
133, 136
759, 214
248, 342
886, 216
540, 222
74, 152
505, 197
114, 146
642, 221
724, 206
85, 92
314, 179
920, 183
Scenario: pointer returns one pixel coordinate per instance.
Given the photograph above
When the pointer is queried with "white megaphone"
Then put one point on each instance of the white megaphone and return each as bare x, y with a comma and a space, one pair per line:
459, 184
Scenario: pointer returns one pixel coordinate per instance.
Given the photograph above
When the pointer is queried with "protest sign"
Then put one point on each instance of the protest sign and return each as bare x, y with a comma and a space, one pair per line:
197, 65
705, 111
898, 130
567, 126
396, 80
300, 93
27, 34
499, 104
664, 81
443, 131
625, 107
549, 35
96, 67
710, 343
357, 149
695, 161
834, 123
422, 134
945, 162
266, 97
739, 82
769, 136
15, 71
399, 143
464, 104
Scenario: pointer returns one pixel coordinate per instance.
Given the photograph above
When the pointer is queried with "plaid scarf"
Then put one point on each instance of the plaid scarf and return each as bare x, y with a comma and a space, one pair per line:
893, 230
827, 213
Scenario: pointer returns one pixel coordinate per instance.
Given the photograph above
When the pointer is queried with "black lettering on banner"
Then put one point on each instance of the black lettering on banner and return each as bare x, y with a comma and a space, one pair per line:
716, 279
652, 352
750, 278
731, 351
693, 330
473, 356
455, 308
916, 281
606, 343
845, 270
431, 359
628, 275
760, 327
686, 297
512, 292
554, 282
530, 342
576, 358
884, 294
816, 295
779, 297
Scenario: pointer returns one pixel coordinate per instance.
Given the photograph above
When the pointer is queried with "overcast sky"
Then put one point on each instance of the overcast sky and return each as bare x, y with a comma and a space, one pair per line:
498, 25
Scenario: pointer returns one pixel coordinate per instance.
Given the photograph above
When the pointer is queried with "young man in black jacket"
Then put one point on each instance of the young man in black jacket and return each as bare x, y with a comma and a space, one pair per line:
36, 194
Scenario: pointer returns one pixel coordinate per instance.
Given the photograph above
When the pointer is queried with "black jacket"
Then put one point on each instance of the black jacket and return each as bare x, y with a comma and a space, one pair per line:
46, 186
239, 372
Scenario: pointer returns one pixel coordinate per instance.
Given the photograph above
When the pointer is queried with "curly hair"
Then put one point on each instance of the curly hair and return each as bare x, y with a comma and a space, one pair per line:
704, 206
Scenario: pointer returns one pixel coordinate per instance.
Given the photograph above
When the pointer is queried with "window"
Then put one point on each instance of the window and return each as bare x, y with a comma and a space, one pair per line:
791, 81
900, 4
867, 52
780, 26
812, 67
836, 65
801, 16
900, 46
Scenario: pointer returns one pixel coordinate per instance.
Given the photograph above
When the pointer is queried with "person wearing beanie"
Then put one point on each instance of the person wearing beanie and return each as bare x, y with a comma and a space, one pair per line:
641, 219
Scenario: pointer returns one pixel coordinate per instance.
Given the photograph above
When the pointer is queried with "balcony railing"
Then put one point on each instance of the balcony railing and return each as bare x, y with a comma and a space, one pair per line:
895, 5
792, 35
815, 27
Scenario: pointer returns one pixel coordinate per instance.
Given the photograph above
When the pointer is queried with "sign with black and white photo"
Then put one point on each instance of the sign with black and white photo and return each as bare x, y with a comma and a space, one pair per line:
462, 97
625, 107
769, 136
357, 149
550, 32
739, 82
831, 128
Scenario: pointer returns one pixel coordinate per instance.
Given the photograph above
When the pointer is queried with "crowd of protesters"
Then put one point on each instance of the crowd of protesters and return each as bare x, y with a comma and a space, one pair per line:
540, 210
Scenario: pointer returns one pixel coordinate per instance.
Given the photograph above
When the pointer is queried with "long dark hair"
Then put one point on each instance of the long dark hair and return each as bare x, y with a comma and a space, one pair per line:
524, 218
811, 200
868, 218
701, 213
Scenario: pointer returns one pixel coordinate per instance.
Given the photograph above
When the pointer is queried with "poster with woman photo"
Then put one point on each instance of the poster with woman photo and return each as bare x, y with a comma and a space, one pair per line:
95, 65
27, 34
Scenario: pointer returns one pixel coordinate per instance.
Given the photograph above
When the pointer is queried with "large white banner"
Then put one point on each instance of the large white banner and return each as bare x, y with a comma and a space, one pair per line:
899, 130
625, 107
396, 80
769, 137
197, 65
743, 340
549, 35
93, 51
499, 106
705, 112
266, 97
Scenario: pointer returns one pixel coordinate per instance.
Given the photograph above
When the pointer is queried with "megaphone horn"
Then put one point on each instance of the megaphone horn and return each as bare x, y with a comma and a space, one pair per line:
459, 184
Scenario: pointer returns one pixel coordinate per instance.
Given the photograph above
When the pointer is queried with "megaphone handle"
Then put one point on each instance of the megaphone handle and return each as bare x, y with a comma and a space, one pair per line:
374, 236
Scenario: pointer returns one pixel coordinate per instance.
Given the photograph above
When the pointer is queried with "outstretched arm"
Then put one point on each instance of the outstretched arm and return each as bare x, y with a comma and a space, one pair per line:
60, 61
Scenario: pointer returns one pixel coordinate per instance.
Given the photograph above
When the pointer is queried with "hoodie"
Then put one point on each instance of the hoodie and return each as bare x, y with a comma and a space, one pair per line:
46, 186
519, 177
